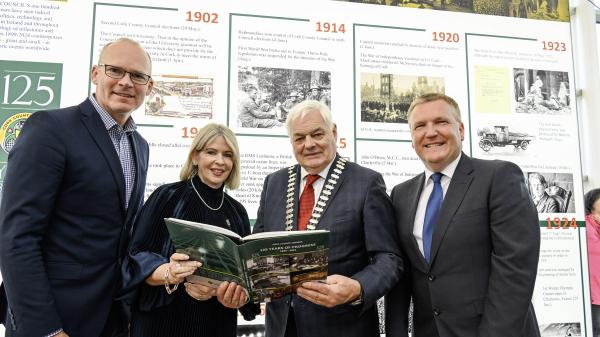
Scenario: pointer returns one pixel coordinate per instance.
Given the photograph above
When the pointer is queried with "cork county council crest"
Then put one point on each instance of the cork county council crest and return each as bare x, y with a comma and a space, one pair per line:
10, 130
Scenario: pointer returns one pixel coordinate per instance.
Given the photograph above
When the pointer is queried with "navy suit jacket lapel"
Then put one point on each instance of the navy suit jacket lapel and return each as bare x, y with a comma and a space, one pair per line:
333, 192
296, 197
414, 193
97, 130
459, 185
136, 196
135, 193
336, 188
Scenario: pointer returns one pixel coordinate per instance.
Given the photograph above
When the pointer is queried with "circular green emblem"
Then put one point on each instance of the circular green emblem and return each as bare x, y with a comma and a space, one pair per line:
10, 130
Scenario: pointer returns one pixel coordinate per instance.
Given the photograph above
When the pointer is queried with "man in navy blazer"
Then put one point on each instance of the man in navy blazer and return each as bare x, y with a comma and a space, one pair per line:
351, 202
74, 182
481, 265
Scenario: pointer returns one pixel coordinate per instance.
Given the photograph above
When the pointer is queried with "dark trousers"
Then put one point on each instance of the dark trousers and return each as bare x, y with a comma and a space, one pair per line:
290, 327
596, 320
117, 324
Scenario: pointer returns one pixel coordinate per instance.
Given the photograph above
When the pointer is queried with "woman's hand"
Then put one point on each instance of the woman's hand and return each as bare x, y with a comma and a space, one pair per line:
232, 295
198, 291
174, 272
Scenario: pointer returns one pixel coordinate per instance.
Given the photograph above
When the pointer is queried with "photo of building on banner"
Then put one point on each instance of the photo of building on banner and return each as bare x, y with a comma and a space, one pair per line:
385, 98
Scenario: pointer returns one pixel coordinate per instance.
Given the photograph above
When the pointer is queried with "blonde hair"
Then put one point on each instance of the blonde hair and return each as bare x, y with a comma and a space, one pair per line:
433, 96
205, 136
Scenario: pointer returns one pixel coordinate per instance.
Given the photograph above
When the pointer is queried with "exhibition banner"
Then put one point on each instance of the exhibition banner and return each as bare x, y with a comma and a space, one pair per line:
508, 64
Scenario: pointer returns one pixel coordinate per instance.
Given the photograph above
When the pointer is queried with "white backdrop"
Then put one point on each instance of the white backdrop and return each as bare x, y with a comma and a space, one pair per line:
205, 54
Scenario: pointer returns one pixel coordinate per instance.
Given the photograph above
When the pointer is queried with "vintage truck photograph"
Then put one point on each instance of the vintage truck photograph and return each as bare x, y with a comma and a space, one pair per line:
501, 136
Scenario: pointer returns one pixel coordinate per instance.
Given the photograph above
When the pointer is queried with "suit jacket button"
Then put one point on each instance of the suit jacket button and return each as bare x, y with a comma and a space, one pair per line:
430, 277
436, 311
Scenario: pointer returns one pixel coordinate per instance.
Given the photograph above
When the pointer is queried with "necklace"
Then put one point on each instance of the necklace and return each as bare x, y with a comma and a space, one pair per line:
204, 202
322, 201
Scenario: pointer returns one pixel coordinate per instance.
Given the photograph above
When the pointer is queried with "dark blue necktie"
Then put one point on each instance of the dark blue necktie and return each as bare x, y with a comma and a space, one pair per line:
431, 213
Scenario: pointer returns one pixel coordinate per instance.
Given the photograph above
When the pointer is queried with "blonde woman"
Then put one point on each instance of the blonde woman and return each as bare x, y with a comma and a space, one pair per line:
152, 267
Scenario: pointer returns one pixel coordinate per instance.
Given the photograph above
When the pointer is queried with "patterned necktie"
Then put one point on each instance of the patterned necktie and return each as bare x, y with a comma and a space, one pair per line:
431, 213
307, 202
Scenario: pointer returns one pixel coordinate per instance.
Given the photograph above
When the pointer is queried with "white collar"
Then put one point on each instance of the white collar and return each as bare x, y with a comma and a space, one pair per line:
322, 174
448, 171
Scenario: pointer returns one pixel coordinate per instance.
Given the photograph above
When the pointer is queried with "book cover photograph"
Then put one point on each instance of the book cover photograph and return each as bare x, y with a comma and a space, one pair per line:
269, 265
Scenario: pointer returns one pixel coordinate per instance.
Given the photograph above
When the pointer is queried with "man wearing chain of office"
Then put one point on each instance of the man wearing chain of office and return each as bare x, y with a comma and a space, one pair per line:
326, 191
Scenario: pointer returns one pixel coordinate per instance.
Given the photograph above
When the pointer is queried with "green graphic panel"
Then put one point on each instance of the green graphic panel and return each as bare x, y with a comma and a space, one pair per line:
25, 87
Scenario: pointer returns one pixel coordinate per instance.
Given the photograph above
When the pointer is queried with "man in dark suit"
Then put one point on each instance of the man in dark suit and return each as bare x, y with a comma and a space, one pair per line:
351, 202
74, 182
471, 267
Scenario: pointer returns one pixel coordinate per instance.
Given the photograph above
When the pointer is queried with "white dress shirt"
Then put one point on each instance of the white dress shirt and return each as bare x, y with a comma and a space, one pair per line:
318, 184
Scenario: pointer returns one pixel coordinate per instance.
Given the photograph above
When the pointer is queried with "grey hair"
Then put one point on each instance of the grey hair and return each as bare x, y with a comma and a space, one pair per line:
303, 108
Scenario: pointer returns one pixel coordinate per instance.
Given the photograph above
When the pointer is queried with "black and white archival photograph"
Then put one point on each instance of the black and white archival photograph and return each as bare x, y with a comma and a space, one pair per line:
551, 192
385, 98
541, 91
504, 138
560, 330
266, 95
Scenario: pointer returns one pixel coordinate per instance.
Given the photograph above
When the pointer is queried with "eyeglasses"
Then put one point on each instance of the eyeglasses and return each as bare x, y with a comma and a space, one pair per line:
119, 73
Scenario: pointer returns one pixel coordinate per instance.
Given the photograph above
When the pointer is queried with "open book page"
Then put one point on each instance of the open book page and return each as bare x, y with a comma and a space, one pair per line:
207, 227
217, 252
278, 264
276, 234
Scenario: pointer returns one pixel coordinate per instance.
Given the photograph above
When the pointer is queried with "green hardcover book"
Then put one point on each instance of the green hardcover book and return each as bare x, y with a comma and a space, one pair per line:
269, 265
